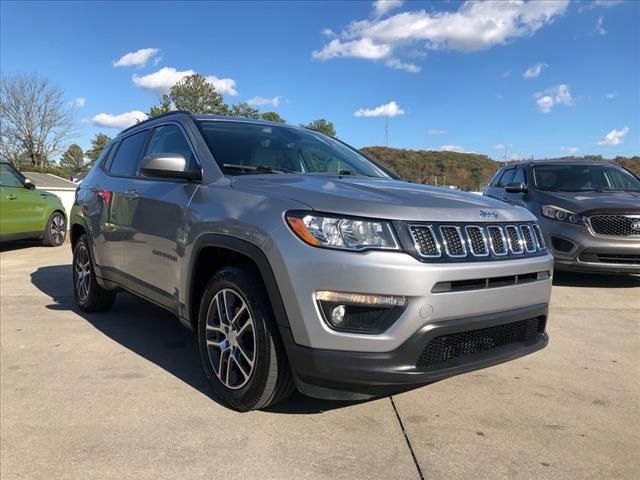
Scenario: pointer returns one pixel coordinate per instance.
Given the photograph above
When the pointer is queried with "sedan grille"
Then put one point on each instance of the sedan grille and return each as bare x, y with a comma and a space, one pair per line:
615, 225
456, 242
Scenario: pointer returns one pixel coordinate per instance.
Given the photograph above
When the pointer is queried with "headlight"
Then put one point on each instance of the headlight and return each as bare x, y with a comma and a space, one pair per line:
343, 233
561, 214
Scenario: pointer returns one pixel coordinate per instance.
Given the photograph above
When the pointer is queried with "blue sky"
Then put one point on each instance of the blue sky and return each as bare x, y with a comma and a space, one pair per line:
455, 71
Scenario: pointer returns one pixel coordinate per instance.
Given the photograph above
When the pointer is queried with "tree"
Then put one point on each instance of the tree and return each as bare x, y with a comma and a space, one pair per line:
272, 117
244, 110
97, 145
35, 119
195, 95
321, 125
73, 159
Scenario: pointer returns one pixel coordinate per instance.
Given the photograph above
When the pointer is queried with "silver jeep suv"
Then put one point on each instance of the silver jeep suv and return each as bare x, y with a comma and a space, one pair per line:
302, 264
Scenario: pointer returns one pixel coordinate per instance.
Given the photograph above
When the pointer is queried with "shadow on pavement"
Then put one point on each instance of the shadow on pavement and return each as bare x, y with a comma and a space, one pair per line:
595, 280
156, 335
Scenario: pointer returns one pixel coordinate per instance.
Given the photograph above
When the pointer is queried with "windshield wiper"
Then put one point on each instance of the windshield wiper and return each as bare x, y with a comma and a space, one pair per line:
259, 168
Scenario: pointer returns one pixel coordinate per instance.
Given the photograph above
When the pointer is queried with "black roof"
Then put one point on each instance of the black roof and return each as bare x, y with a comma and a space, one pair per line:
562, 161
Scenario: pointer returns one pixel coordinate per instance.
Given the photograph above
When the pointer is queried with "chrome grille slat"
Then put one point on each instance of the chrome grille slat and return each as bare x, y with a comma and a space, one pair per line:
514, 239
497, 240
477, 241
539, 237
528, 240
454, 244
425, 241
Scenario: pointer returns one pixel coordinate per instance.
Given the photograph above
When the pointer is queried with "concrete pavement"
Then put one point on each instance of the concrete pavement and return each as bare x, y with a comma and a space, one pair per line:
122, 395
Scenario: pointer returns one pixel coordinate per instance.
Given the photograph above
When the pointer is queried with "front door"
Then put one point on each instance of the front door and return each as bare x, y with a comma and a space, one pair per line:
22, 208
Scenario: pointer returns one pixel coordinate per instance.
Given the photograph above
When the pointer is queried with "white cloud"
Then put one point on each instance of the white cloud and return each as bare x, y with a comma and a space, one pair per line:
570, 150
452, 148
614, 137
534, 70
398, 65
598, 3
558, 95
499, 146
390, 109
474, 26
436, 131
138, 58
611, 95
362, 48
599, 28
505, 74
79, 102
123, 120
259, 101
381, 7
161, 81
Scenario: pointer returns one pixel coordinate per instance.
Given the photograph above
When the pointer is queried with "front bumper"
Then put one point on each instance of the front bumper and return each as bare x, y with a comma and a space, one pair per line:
591, 253
358, 375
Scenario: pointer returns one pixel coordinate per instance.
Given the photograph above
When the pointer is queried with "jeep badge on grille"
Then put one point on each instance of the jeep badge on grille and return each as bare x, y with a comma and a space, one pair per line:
489, 214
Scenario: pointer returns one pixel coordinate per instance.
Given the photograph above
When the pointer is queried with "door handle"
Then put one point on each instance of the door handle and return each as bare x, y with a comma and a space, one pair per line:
11, 196
132, 194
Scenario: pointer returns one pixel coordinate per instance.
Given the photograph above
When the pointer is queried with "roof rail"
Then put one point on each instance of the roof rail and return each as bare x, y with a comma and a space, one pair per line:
173, 112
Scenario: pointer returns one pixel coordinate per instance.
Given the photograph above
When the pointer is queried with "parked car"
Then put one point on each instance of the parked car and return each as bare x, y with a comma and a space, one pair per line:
589, 211
302, 264
27, 213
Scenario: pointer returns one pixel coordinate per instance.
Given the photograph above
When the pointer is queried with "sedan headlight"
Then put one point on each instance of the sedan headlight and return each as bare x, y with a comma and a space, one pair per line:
561, 214
330, 231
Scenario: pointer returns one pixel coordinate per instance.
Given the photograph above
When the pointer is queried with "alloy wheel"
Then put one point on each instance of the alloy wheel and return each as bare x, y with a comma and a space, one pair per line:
82, 267
231, 339
57, 229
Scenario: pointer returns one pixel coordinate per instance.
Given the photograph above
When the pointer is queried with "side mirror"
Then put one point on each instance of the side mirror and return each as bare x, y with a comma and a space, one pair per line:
168, 165
516, 188
28, 184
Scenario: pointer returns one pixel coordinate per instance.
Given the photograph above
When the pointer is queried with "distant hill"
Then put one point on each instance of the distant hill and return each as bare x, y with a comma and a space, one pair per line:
468, 171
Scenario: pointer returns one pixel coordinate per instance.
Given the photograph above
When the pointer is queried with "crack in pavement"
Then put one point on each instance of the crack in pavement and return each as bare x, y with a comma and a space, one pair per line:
406, 437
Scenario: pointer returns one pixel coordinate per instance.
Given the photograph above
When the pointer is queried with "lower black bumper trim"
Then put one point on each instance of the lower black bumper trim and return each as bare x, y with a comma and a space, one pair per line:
331, 373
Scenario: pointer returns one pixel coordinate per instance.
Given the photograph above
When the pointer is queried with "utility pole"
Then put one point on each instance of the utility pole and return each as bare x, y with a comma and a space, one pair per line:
386, 131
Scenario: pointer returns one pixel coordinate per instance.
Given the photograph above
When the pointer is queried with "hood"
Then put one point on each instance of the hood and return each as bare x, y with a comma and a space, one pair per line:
590, 203
382, 198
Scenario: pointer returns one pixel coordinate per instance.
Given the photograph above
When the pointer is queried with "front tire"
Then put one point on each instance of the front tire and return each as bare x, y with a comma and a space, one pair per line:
89, 296
56, 230
240, 347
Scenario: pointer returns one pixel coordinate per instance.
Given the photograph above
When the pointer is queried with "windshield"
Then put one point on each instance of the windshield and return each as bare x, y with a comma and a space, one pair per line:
248, 148
584, 178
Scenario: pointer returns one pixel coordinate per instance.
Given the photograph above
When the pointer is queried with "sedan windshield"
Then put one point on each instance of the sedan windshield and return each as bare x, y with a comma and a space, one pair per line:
248, 148
584, 178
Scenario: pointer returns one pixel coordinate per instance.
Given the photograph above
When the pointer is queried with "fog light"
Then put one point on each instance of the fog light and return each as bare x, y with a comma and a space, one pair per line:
337, 314
360, 313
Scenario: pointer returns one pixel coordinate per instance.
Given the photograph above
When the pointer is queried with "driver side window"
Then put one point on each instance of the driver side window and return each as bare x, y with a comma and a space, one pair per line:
8, 178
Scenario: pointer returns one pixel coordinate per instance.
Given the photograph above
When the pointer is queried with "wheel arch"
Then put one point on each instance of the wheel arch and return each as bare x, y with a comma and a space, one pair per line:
214, 251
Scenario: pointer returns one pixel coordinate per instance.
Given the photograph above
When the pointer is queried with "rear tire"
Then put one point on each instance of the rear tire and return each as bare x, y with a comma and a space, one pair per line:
56, 230
240, 346
89, 296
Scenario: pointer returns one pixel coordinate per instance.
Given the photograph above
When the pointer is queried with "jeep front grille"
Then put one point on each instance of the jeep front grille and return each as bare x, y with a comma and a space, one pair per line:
457, 242
615, 225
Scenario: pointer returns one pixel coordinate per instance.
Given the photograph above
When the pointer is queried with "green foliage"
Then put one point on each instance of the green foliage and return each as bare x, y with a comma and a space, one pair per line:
321, 125
272, 117
193, 94
73, 159
468, 171
244, 110
97, 145
54, 170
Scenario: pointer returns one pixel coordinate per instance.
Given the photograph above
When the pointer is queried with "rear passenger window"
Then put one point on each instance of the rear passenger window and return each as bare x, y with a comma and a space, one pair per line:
506, 177
125, 160
170, 139
519, 176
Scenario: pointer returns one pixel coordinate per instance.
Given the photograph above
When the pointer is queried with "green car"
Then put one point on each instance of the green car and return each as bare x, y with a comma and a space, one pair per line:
26, 213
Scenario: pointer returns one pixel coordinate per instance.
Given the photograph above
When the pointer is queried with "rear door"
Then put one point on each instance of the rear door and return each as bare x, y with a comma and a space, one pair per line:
114, 188
22, 209
158, 209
